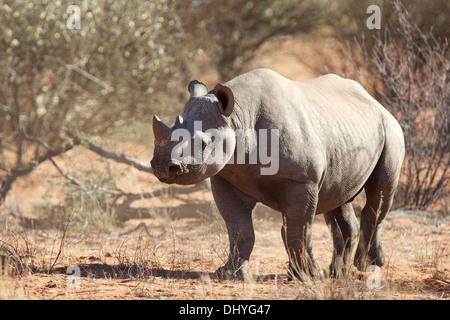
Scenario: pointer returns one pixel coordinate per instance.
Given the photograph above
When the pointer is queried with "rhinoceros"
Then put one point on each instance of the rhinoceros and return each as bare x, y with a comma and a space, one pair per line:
333, 141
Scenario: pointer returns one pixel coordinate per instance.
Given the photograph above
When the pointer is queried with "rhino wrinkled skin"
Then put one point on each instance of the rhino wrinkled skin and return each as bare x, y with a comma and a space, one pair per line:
334, 141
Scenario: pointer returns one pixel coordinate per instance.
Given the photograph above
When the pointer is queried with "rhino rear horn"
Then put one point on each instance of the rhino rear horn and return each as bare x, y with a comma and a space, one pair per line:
160, 130
197, 88
178, 121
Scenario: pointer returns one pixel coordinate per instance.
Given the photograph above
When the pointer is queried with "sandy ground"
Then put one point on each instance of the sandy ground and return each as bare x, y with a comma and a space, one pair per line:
166, 257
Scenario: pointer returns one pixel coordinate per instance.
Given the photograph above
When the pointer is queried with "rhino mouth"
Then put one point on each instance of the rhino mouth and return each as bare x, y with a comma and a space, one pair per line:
170, 180
189, 174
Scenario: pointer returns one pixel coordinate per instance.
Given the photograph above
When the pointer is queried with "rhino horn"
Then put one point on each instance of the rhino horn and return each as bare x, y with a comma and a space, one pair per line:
178, 121
160, 130
197, 88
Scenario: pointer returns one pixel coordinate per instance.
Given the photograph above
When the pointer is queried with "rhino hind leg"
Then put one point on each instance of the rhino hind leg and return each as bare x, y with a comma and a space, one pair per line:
343, 226
380, 189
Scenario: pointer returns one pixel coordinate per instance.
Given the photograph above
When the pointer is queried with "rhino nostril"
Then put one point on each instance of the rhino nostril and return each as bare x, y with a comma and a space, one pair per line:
174, 169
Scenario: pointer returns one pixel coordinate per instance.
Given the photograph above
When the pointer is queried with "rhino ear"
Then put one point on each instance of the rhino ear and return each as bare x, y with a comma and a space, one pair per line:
226, 99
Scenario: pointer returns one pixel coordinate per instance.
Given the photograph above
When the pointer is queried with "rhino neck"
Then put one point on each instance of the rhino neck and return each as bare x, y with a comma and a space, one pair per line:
246, 111
253, 92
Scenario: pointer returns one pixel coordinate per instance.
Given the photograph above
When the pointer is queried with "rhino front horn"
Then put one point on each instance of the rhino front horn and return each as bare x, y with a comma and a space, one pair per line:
160, 130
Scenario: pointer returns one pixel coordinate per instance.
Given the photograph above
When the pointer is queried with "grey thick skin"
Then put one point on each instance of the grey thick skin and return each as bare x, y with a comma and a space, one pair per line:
334, 140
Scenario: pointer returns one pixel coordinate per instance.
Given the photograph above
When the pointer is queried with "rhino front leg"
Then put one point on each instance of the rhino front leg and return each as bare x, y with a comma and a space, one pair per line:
236, 210
297, 232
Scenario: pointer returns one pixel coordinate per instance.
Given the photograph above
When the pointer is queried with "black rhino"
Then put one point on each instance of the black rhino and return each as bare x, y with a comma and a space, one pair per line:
333, 140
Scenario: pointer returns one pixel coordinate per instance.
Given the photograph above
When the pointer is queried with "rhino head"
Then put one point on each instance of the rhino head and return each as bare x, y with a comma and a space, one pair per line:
201, 142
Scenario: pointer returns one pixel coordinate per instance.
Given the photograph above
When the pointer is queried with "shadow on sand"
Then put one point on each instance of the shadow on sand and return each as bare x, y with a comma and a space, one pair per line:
101, 270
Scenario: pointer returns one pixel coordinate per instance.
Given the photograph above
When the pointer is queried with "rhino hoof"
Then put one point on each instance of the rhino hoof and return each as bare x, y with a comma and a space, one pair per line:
224, 274
296, 273
227, 273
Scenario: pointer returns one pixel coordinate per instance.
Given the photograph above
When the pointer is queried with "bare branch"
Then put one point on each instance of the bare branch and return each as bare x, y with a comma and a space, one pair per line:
89, 76
67, 175
42, 143
7, 181
118, 157
11, 175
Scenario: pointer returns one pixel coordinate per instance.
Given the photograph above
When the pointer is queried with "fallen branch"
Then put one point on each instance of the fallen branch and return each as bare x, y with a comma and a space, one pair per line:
118, 157
77, 184
67, 175
7, 181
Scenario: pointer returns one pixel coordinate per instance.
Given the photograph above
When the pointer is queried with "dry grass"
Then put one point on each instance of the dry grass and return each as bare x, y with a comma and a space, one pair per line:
176, 259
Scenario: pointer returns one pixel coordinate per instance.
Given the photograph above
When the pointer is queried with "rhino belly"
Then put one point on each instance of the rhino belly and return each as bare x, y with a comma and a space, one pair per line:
345, 178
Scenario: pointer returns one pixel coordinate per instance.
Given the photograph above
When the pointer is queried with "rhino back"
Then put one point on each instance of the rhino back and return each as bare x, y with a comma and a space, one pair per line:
332, 131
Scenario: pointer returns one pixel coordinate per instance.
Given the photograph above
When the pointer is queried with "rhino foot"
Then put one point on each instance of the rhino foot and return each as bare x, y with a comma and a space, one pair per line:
230, 272
305, 274
337, 272
363, 259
